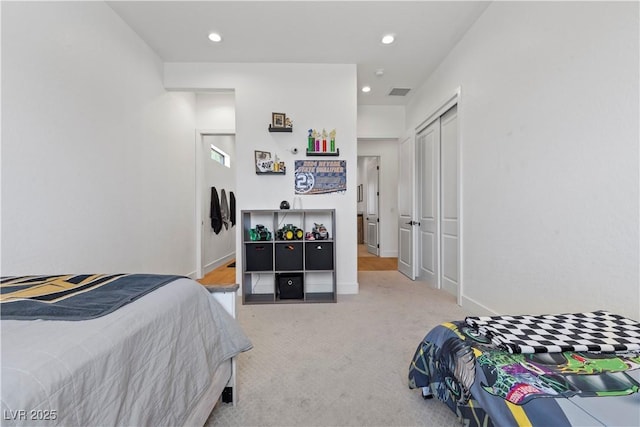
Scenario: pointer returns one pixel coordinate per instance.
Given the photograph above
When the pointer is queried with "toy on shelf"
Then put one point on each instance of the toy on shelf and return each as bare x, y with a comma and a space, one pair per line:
259, 233
319, 232
289, 232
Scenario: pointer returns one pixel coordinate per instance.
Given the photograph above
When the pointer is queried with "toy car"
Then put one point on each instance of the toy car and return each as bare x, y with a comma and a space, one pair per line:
319, 232
290, 232
259, 233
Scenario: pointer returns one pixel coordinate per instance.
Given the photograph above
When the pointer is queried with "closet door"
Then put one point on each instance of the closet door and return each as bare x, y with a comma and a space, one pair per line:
438, 238
428, 151
449, 228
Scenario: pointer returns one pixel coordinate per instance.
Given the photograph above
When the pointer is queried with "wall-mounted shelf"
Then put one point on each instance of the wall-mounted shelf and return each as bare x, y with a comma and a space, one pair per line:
323, 153
272, 173
272, 129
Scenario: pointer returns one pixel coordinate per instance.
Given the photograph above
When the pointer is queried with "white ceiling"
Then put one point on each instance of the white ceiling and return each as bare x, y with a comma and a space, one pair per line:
336, 32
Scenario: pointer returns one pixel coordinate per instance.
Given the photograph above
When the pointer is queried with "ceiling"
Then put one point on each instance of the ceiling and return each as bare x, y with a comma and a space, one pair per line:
334, 32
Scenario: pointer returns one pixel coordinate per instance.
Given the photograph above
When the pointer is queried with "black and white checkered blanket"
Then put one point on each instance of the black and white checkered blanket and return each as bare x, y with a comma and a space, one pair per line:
598, 331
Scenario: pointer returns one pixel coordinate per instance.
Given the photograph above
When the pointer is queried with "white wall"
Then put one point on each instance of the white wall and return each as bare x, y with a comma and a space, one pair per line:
216, 111
97, 158
381, 121
387, 151
314, 96
549, 133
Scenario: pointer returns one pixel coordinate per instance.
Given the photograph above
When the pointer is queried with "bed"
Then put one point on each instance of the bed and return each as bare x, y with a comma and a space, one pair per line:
162, 355
577, 369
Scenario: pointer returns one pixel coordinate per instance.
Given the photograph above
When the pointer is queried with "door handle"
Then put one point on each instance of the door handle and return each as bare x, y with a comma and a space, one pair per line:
413, 223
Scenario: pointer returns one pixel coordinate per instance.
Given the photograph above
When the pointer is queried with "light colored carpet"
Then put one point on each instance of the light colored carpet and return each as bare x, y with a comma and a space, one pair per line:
342, 364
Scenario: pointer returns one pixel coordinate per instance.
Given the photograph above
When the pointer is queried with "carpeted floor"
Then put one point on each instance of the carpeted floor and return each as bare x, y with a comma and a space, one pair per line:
341, 364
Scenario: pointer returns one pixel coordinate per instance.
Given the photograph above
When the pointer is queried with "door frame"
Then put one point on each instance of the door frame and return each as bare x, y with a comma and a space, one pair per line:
199, 178
454, 99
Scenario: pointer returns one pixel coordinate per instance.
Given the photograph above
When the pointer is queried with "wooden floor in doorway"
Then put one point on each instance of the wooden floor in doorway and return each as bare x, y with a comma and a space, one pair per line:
377, 264
224, 275
371, 262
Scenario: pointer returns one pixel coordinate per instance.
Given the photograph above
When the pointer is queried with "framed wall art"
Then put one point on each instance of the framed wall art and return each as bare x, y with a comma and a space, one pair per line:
278, 120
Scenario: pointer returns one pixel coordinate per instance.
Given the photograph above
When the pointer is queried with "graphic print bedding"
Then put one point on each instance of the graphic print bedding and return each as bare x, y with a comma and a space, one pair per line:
485, 384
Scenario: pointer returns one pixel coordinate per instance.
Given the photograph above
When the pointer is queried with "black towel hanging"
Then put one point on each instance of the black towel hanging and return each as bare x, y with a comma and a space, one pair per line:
232, 208
215, 214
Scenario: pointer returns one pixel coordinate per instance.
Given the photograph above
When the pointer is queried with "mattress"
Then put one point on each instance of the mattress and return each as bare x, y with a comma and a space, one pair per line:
150, 362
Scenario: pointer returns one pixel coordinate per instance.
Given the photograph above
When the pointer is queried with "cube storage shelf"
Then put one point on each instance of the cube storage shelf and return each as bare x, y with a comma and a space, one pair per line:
283, 268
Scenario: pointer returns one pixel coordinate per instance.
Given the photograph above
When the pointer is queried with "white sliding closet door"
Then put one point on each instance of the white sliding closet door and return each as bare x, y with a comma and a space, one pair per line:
438, 187
428, 147
449, 201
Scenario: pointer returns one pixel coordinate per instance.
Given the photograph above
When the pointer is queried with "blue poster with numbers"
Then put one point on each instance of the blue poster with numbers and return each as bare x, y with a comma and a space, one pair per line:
320, 176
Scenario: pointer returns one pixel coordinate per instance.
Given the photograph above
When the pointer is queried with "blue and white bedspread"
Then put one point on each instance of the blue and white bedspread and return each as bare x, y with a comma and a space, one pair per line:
150, 363
487, 385
73, 297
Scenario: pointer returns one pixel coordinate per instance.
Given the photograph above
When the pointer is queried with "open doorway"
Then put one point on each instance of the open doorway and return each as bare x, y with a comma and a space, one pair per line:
216, 186
215, 175
375, 248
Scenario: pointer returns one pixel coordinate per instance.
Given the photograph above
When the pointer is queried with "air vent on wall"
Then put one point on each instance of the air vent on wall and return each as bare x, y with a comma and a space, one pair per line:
399, 91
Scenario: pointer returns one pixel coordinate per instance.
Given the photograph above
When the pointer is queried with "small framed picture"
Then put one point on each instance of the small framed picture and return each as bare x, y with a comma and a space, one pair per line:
278, 120
263, 160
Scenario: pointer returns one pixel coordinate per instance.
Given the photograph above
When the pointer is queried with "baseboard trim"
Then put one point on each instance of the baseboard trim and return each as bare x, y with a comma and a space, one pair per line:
348, 288
477, 308
219, 262
389, 254
212, 265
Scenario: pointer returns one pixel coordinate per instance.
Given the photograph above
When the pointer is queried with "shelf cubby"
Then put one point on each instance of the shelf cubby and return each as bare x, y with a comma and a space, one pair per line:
307, 266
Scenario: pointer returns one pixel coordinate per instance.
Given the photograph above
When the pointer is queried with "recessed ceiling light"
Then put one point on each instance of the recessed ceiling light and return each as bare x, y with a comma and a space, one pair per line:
215, 37
366, 89
388, 39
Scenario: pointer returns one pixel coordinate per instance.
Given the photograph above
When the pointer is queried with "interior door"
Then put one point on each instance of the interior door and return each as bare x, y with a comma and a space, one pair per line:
449, 206
371, 214
428, 154
406, 203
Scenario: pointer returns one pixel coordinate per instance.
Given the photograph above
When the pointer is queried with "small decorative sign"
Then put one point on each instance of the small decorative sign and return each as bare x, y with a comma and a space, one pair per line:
320, 176
266, 165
